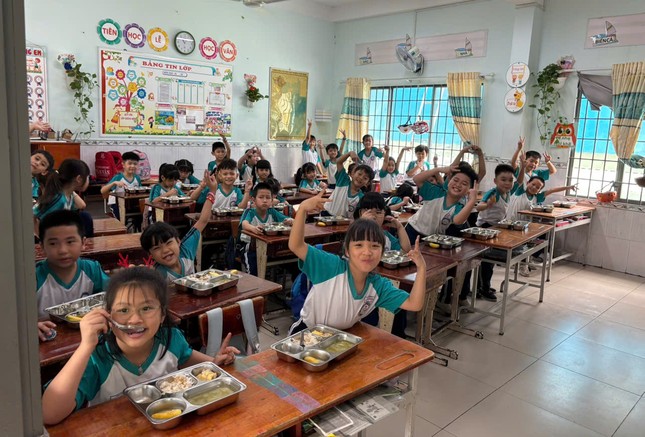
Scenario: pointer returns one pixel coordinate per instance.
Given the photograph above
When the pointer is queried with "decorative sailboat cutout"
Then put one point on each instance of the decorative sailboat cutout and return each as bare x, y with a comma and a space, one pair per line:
609, 37
367, 59
466, 50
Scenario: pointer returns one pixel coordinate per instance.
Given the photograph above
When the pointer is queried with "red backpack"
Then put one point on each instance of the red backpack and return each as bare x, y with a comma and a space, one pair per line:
107, 165
144, 169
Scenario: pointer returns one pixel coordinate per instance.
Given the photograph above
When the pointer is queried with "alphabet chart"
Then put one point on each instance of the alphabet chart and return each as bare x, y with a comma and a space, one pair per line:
36, 84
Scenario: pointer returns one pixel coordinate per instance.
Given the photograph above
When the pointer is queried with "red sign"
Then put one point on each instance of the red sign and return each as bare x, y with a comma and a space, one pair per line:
227, 51
208, 48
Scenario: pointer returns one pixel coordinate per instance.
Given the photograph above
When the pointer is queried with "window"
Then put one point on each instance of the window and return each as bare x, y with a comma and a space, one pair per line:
396, 105
593, 165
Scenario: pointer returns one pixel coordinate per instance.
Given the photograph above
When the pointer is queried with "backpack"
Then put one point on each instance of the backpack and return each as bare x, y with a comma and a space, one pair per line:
144, 169
299, 291
107, 165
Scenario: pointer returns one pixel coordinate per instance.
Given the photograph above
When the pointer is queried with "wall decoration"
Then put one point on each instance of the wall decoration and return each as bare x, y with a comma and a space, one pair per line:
37, 101
152, 95
517, 74
158, 39
564, 136
134, 35
515, 99
208, 48
379, 52
465, 51
185, 42
287, 104
621, 30
227, 51
109, 31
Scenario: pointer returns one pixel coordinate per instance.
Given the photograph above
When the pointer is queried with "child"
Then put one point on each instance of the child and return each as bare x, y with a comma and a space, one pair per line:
442, 207
309, 150
402, 196
491, 210
348, 192
186, 172
261, 171
309, 184
330, 164
345, 289
167, 186
173, 258
127, 178
532, 162
372, 206
416, 167
369, 155
108, 360
221, 151
247, 162
63, 275
227, 195
254, 219
390, 170
42, 162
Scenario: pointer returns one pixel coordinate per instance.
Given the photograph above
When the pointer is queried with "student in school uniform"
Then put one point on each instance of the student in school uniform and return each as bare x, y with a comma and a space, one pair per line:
531, 163
309, 184
309, 153
372, 206
390, 170
42, 163
369, 155
421, 164
330, 163
221, 151
246, 163
227, 195
64, 276
348, 192
128, 178
402, 196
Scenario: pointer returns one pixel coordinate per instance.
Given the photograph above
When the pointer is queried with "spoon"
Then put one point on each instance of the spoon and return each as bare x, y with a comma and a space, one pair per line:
128, 329
302, 339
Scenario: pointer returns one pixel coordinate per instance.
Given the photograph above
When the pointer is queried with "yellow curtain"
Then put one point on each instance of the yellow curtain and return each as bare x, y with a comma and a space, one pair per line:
628, 98
354, 116
464, 97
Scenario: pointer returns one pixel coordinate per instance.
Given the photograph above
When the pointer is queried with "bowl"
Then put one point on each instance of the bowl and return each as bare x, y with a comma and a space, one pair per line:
319, 360
202, 289
286, 349
210, 371
164, 405
144, 394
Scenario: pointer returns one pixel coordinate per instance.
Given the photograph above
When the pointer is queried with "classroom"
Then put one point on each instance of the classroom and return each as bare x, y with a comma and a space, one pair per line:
518, 310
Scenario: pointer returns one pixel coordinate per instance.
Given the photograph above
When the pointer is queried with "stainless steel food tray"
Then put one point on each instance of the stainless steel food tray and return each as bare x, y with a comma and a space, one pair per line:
201, 285
77, 307
480, 233
444, 241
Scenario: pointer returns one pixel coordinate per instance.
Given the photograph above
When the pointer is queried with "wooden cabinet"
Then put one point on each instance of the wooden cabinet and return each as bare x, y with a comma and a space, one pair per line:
60, 150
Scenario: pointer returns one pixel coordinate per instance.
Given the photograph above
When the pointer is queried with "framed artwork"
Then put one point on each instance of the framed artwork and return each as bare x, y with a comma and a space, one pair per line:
287, 105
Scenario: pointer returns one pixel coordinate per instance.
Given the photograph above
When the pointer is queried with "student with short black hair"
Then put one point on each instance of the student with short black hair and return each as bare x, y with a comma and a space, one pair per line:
128, 178
348, 192
330, 164
220, 150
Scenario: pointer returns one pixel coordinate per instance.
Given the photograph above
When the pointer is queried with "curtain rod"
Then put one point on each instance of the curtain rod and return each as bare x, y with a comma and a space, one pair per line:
588, 70
410, 79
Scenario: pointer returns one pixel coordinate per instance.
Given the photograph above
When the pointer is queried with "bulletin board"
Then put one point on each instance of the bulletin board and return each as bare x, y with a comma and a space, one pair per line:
37, 101
144, 94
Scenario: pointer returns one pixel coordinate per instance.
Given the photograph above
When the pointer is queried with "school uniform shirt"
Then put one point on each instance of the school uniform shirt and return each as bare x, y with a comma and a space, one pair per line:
493, 214
342, 202
411, 165
391, 242
388, 180
333, 300
191, 179
187, 254
105, 378
309, 185
394, 200
61, 201
246, 172
134, 182
332, 168
372, 159
435, 215
309, 154
212, 166
35, 187
158, 190
250, 215
223, 200
543, 173
522, 201
51, 290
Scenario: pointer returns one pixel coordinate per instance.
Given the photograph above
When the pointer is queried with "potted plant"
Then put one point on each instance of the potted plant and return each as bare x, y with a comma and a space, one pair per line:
253, 94
546, 97
82, 84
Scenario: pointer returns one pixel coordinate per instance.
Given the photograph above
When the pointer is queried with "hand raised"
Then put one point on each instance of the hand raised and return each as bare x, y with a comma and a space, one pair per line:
342, 132
314, 203
416, 257
520, 143
226, 353
92, 324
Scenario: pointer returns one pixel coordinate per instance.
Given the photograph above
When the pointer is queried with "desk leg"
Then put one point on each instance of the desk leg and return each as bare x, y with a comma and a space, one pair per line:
261, 254
122, 210
507, 271
409, 409
550, 254
544, 267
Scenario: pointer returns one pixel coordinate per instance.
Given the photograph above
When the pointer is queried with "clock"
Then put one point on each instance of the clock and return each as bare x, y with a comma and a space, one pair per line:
184, 42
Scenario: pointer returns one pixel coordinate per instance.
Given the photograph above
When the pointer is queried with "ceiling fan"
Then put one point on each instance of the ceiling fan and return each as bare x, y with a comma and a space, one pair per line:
257, 3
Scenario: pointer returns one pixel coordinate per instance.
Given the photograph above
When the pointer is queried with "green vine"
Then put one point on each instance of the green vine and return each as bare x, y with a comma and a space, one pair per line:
546, 98
82, 85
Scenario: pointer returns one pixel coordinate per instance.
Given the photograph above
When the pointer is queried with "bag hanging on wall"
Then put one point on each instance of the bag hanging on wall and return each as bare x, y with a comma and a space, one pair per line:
144, 169
107, 165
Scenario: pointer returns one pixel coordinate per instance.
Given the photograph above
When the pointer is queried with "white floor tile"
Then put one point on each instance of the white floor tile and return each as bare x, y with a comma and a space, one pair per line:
626, 314
444, 433
634, 425
616, 336
578, 300
606, 275
549, 315
602, 363
594, 285
503, 415
395, 425
575, 397
635, 298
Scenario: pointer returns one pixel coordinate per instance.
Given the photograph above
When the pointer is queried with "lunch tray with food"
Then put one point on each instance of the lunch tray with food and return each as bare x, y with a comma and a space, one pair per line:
393, 259
73, 311
563, 204
189, 186
322, 345
480, 233
411, 207
175, 199
516, 225
542, 208
136, 190
285, 193
203, 388
204, 283
276, 228
333, 220
222, 212
437, 241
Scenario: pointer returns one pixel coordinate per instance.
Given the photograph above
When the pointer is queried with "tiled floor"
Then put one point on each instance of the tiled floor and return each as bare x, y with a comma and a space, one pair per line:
573, 365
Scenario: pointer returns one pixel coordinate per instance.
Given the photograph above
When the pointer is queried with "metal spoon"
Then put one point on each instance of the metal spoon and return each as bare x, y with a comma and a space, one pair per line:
128, 329
302, 339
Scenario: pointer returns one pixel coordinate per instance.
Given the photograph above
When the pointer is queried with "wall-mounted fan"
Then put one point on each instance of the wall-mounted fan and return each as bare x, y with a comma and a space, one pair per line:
410, 56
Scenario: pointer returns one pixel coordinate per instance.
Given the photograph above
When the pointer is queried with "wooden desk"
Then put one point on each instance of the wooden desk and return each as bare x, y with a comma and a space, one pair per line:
61, 348
128, 204
108, 226
153, 180
279, 395
508, 240
217, 231
557, 215
171, 213
106, 250
60, 150
299, 197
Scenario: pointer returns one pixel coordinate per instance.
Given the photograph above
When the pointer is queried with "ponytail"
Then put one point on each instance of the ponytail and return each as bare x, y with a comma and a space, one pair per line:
58, 180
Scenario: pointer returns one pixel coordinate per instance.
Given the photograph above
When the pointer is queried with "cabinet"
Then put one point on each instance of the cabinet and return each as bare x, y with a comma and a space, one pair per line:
60, 150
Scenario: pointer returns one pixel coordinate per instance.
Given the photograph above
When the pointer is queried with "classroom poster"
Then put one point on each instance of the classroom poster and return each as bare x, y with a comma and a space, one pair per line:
287, 105
145, 94
37, 102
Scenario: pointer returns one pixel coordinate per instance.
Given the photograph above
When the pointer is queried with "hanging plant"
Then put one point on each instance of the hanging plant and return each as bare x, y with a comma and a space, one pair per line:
82, 85
546, 98
253, 94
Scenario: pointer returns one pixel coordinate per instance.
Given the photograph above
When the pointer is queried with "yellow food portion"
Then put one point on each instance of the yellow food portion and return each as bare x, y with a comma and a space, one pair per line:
210, 396
73, 318
339, 346
312, 360
168, 414
321, 333
320, 224
234, 272
206, 375
434, 245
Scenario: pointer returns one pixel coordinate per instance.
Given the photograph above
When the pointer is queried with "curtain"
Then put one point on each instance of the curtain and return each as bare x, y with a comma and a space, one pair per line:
354, 115
597, 89
465, 99
628, 81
